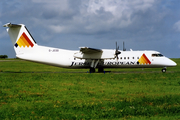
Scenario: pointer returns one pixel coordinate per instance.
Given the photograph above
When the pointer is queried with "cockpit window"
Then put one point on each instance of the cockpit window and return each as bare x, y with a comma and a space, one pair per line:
157, 55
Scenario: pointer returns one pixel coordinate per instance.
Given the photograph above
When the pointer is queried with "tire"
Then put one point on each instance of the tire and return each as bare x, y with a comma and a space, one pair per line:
92, 70
164, 70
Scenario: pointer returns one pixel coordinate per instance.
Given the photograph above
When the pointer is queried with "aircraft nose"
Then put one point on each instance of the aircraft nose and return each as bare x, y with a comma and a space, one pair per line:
172, 63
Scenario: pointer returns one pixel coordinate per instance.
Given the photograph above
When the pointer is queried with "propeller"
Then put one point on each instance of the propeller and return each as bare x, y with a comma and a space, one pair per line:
117, 52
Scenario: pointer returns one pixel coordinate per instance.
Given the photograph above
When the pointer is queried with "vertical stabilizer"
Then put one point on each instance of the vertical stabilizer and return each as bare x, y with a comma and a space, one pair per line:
20, 37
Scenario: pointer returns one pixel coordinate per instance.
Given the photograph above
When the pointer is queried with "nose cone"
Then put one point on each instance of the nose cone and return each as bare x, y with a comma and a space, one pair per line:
171, 63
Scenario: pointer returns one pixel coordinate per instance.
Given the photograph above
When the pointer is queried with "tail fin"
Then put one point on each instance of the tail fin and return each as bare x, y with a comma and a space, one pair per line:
20, 37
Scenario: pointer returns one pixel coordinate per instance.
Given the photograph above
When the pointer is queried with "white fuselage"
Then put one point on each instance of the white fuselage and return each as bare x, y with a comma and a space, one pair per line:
66, 59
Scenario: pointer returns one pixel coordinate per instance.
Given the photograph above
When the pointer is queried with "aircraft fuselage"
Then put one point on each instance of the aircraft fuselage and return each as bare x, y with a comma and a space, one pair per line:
66, 59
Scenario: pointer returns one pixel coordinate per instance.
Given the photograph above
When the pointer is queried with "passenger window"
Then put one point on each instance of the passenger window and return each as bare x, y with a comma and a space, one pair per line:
124, 57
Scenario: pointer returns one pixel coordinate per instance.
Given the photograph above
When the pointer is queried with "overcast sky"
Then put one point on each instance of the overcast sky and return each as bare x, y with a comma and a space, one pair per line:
70, 24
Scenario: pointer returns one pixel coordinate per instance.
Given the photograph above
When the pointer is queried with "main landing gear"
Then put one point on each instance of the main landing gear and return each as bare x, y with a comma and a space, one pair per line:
93, 66
92, 70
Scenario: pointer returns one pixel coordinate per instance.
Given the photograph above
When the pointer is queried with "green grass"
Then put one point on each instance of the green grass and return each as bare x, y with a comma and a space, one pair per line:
26, 92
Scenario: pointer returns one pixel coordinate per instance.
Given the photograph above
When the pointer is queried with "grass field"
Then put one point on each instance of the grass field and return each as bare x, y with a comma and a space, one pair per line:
34, 91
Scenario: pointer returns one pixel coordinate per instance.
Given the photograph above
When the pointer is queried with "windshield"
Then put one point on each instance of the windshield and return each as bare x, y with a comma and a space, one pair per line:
157, 55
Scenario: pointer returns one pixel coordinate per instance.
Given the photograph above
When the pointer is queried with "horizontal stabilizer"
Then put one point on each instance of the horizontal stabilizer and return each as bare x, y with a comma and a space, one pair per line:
11, 25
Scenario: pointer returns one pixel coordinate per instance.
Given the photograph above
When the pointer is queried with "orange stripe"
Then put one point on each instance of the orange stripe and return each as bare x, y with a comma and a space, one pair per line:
147, 60
143, 59
26, 43
28, 40
22, 42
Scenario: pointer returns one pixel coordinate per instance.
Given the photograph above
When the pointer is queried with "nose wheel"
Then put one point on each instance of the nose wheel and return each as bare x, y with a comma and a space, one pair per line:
164, 70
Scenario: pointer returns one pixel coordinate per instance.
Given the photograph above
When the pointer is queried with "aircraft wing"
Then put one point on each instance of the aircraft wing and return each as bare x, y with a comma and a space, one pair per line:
87, 50
93, 53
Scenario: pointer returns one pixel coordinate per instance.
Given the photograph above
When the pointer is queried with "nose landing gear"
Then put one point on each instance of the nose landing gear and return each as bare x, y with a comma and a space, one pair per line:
164, 70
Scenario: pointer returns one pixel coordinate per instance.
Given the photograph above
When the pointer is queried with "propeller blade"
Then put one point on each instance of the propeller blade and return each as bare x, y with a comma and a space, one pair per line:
117, 52
116, 45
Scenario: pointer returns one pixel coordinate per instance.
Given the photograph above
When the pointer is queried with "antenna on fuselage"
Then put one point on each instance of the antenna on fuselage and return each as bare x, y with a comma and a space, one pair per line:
124, 49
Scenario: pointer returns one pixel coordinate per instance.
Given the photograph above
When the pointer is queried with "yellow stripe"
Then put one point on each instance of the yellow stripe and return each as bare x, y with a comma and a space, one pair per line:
22, 41
144, 60
19, 43
140, 61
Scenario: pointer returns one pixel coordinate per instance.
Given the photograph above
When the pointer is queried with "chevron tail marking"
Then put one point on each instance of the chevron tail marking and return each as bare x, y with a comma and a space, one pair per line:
144, 60
24, 41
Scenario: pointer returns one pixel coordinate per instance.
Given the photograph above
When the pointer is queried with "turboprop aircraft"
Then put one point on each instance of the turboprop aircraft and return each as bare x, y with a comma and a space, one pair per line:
26, 48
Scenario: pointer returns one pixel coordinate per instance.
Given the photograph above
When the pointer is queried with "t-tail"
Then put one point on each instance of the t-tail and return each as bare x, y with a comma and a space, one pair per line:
21, 38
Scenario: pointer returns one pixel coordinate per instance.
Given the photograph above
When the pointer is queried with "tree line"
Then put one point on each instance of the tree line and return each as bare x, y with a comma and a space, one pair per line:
3, 56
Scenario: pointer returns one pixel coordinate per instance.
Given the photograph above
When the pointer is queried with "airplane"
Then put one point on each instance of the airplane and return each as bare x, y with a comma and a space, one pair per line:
26, 48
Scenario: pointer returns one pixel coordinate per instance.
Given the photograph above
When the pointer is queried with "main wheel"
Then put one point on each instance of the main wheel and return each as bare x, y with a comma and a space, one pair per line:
92, 70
